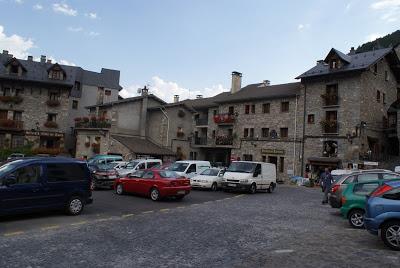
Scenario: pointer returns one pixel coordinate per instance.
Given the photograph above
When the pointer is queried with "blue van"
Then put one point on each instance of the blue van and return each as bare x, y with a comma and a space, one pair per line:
33, 184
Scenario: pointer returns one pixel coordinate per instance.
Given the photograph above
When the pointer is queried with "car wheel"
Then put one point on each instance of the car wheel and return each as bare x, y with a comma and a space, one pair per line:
356, 218
390, 234
74, 206
271, 188
253, 188
214, 187
154, 194
119, 189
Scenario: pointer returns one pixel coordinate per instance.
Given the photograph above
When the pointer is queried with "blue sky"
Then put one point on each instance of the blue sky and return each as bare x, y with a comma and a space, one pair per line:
188, 47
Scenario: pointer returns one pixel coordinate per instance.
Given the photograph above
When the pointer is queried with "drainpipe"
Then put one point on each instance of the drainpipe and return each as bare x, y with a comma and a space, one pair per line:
295, 136
304, 130
165, 114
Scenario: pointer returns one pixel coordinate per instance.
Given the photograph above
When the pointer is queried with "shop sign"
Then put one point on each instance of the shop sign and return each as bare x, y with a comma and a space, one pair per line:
44, 133
272, 151
369, 163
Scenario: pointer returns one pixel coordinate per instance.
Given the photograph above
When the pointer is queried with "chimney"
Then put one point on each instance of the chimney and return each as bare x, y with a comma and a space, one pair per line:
48, 61
320, 62
43, 59
30, 58
352, 51
176, 98
5, 52
266, 82
145, 91
236, 82
199, 96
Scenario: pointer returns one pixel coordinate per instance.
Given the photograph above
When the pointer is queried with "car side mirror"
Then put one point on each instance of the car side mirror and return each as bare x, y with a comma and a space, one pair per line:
10, 180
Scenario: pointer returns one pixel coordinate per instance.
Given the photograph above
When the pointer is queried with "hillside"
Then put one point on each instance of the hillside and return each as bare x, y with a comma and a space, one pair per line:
386, 41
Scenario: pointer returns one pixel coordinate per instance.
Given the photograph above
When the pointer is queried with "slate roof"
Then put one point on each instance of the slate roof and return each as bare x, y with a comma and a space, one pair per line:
262, 91
205, 103
358, 61
36, 71
131, 99
142, 146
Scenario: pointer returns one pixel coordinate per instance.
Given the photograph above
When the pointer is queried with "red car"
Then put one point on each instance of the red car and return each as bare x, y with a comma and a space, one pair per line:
154, 183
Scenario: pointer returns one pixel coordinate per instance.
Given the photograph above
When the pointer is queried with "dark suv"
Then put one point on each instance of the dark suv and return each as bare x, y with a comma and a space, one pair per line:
33, 184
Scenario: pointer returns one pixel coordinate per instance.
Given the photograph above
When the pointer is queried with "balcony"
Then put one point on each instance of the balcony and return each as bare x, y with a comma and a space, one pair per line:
330, 99
92, 122
224, 119
11, 99
224, 140
201, 122
11, 124
200, 141
330, 126
51, 124
53, 103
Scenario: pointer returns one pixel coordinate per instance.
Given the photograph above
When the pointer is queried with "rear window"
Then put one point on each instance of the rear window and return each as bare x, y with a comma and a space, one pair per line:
368, 177
66, 172
393, 194
365, 188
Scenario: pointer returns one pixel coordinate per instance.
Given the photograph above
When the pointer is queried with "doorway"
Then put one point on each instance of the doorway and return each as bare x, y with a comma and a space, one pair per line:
273, 160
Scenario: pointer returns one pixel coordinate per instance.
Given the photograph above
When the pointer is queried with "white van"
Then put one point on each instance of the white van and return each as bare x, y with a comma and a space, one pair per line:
189, 168
250, 176
138, 164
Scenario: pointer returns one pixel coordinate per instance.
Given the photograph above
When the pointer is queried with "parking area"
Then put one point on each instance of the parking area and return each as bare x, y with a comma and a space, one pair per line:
106, 204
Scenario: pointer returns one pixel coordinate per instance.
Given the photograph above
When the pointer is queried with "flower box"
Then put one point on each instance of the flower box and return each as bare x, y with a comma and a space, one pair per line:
51, 124
53, 103
11, 99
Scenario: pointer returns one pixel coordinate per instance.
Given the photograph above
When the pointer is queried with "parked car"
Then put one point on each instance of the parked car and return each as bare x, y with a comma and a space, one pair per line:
337, 174
210, 178
383, 213
156, 184
338, 187
250, 176
102, 159
33, 184
189, 168
354, 201
119, 165
14, 156
104, 176
139, 164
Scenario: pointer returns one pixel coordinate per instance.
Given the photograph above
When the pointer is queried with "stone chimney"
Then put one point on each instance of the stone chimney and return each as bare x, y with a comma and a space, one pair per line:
30, 58
48, 61
176, 98
5, 52
236, 82
352, 51
199, 96
43, 59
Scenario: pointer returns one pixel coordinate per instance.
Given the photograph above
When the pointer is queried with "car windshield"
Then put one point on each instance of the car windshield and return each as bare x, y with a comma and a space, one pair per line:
105, 166
180, 167
112, 165
7, 167
132, 164
243, 167
210, 172
167, 174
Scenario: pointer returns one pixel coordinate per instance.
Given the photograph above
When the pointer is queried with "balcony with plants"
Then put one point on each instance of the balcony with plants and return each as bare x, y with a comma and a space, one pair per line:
11, 99
329, 126
11, 124
92, 122
225, 140
222, 119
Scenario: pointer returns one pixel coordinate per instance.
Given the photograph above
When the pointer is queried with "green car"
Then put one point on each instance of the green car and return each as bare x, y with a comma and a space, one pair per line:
354, 199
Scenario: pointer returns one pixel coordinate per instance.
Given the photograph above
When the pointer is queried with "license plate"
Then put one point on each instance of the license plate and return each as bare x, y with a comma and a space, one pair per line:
231, 184
112, 177
181, 192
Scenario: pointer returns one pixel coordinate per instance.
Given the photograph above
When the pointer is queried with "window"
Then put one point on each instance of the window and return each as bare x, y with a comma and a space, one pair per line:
253, 109
74, 104
193, 155
107, 92
367, 177
148, 175
284, 106
265, 132
311, 119
191, 169
251, 132
281, 164
7, 91
375, 68
247, 109
66, 172
248, 157
378, 96
29, 174
231, 110
257, 170
19, 91
3, 140
386, 76
213, 134
214, 112
384, 98
17, 141
52, 117
264, 158
53, 96
3, 114
77, 86
246, 133
393, 194
17, 116
266, 108
284, 133
333, 64
56, 75
365, 188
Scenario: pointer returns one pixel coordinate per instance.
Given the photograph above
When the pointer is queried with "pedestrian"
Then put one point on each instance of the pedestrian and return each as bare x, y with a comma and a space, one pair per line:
327, 183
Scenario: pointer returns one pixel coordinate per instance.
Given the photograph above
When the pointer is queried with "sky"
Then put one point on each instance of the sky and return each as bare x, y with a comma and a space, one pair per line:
190, 47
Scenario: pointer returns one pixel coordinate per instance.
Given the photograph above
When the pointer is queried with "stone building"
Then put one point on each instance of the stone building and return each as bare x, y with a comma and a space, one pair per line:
39, 99
347, 99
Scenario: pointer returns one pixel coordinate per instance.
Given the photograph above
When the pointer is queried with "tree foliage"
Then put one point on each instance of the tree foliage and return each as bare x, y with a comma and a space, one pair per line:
382, 42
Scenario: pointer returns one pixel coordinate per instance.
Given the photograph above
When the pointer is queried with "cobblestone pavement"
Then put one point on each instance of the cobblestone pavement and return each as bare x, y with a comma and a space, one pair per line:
289, 228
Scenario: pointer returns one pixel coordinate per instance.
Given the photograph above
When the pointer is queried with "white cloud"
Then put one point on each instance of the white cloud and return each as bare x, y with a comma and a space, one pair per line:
64, 9
75, 29
167, 89
19, 1
373, 37
93, 34
302, 27
65, 62
91, 15
38, 7
17, 45
389, 8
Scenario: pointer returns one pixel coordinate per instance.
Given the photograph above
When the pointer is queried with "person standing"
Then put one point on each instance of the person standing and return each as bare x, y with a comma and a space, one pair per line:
327, 180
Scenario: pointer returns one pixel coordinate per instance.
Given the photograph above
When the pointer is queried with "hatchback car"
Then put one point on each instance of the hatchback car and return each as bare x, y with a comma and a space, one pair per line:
32, 184
210, 178
338, 187
383, 214
104, 176
156, 184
